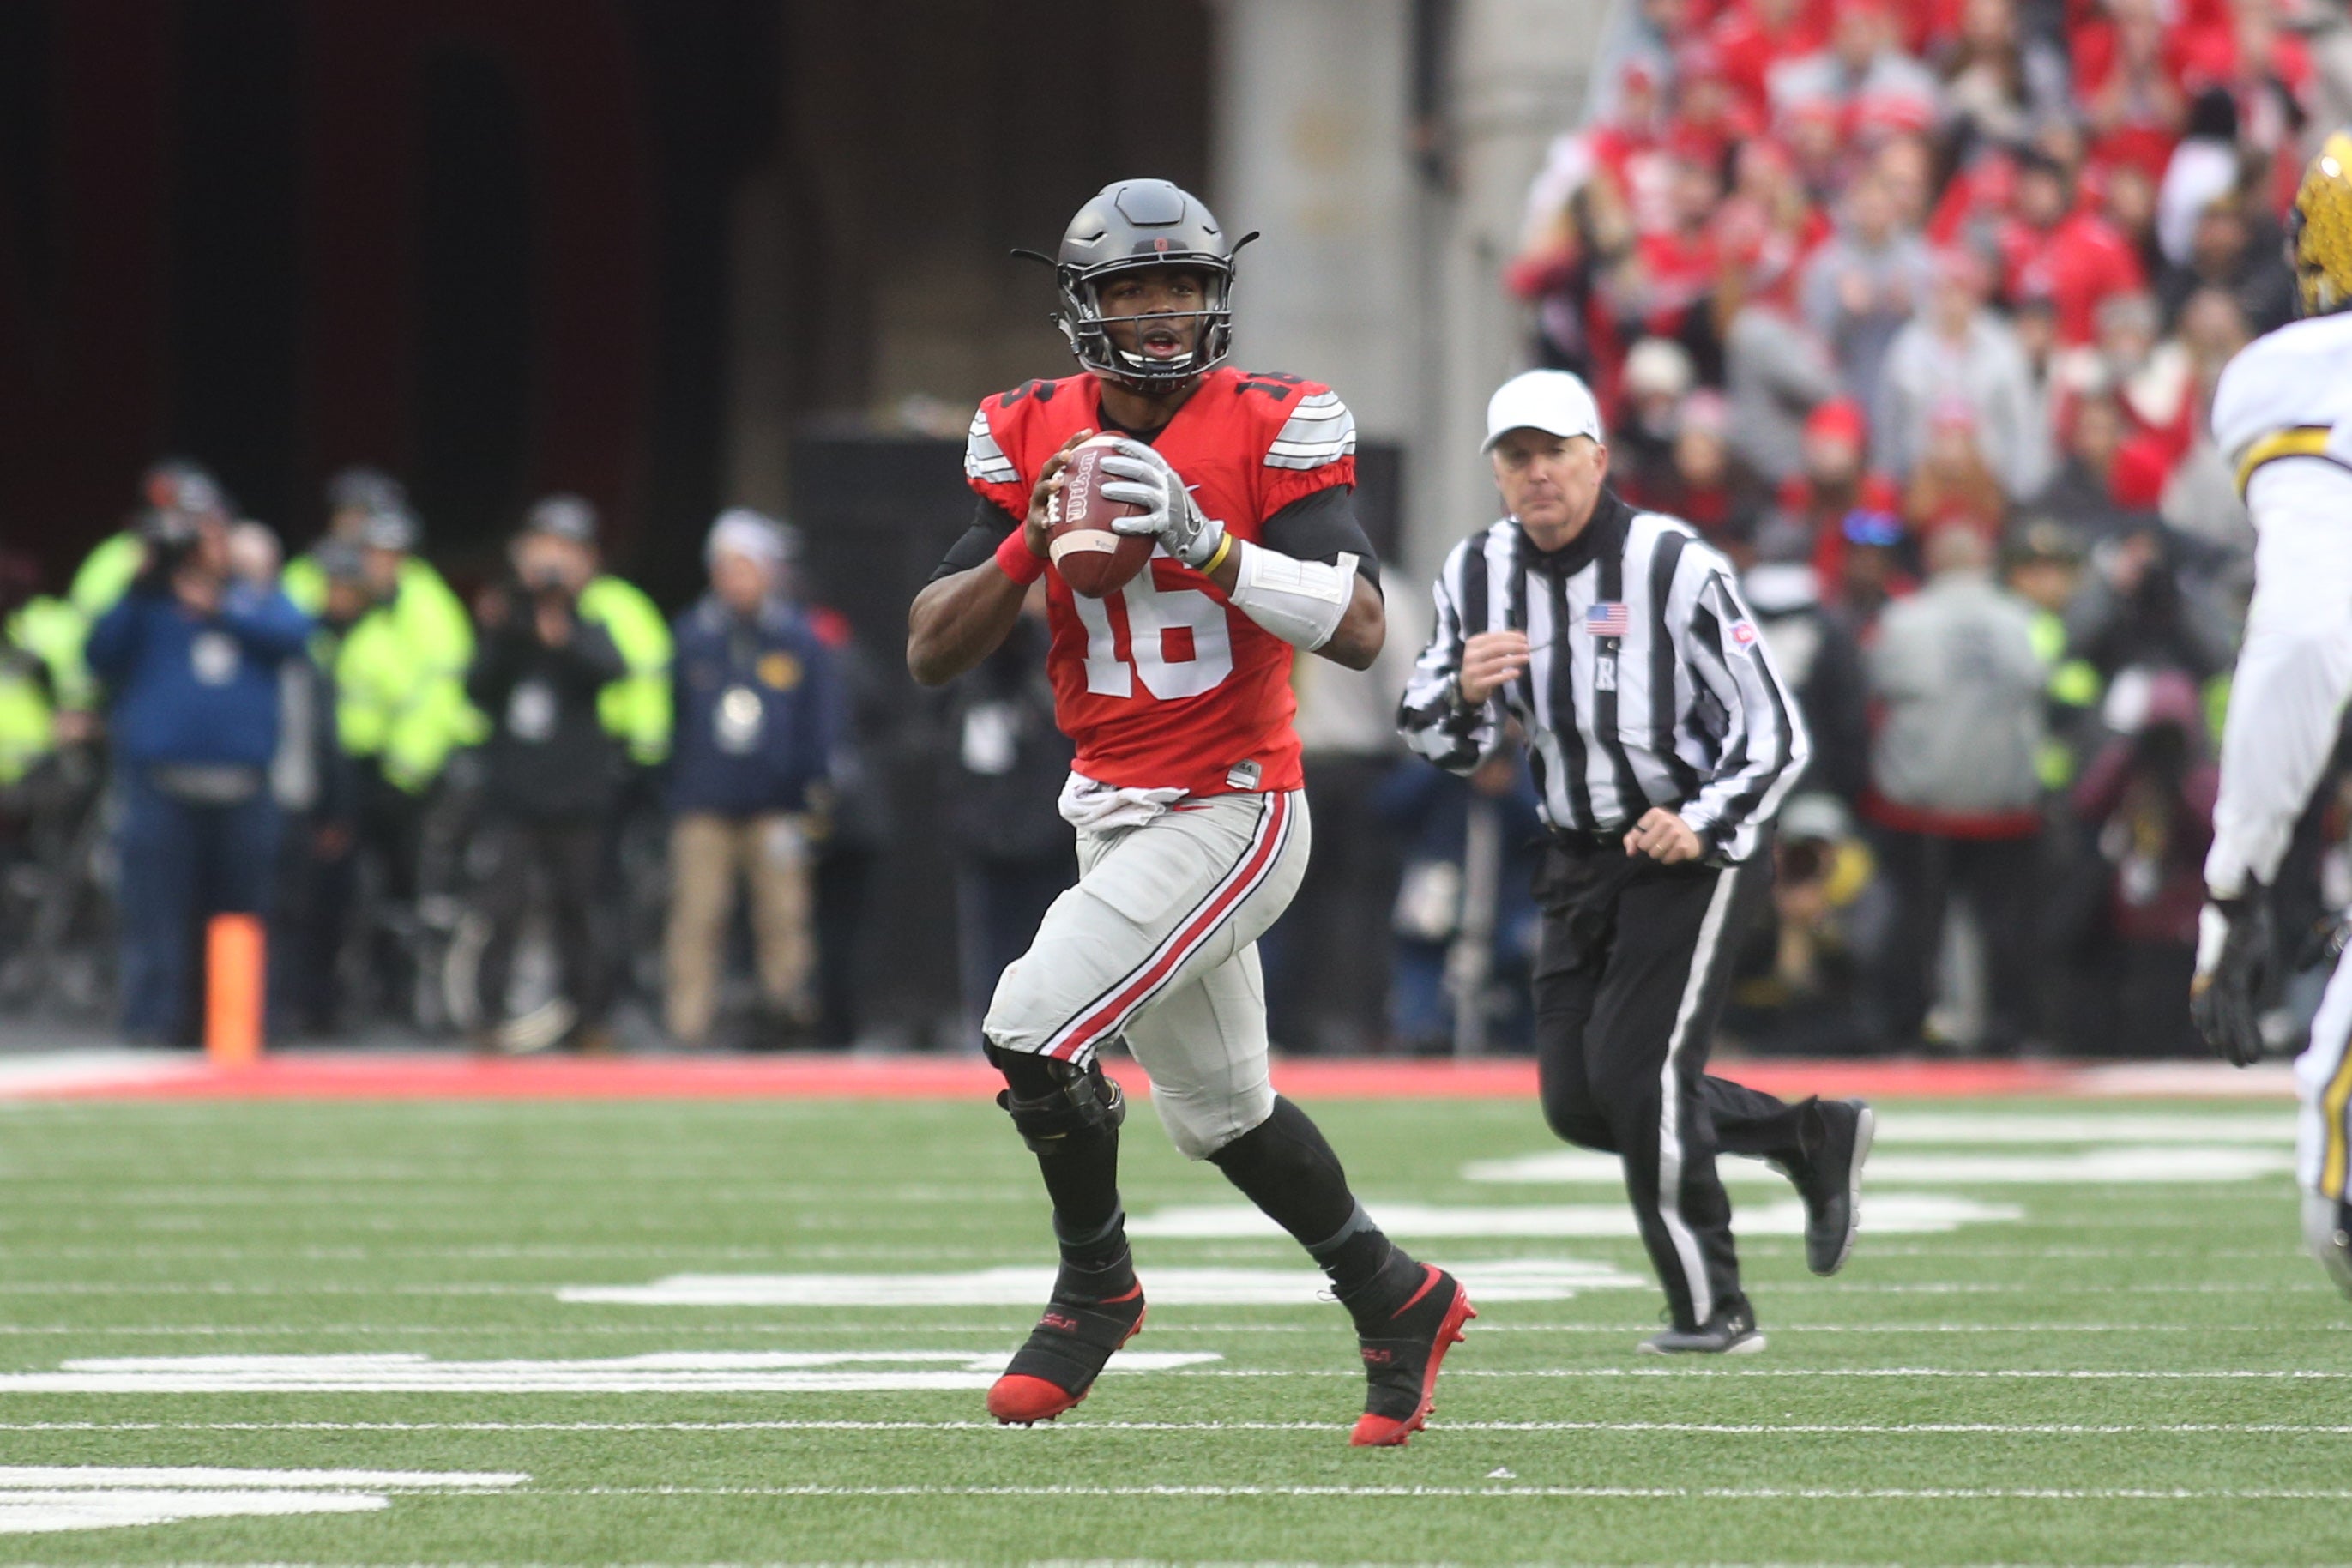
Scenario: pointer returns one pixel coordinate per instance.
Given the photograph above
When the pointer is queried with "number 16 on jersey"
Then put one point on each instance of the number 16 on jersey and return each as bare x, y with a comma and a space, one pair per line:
1177, 641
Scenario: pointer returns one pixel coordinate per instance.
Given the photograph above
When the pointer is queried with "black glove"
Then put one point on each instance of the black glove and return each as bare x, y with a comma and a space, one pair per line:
2238, 974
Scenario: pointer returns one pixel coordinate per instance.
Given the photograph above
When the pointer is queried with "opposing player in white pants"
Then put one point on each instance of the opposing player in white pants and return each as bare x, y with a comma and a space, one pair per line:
2282, 414
1192, 831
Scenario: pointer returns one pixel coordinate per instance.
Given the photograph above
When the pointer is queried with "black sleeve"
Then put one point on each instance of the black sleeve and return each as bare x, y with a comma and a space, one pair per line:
496, 669
1321, 527
590, 658
989, 526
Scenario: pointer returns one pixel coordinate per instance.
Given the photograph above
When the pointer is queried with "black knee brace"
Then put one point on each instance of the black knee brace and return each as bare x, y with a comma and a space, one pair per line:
1051, 1100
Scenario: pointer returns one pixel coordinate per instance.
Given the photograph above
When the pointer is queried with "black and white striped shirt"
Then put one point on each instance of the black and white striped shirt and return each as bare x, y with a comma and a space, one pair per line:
1648, 685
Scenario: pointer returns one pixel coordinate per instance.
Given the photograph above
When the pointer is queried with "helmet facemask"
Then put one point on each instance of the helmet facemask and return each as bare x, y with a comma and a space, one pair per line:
1085, 325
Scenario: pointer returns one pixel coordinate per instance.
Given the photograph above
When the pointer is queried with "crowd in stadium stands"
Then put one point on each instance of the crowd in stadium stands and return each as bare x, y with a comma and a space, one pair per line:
1917, 313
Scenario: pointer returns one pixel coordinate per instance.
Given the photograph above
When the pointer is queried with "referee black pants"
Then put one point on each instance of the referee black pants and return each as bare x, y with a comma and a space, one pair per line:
1635, 960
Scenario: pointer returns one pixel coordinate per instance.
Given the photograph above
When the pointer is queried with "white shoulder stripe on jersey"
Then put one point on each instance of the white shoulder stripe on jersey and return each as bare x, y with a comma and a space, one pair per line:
1318, 460
1309, 454
1319, 430
984, 459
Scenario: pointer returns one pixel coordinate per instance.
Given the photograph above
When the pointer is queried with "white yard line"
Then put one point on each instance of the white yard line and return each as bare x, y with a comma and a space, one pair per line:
2132, 1374
2314, 1286
1827, 1494
2028, 1429
50, 1478
1016, 1322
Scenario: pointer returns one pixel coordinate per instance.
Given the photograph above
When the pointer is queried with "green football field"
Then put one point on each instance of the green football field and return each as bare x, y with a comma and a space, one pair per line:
673, 1332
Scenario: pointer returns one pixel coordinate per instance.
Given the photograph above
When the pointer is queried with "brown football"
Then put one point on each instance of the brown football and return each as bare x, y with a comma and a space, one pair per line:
1091, 558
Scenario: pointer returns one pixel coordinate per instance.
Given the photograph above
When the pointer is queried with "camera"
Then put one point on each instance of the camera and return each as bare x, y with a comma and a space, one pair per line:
171, 539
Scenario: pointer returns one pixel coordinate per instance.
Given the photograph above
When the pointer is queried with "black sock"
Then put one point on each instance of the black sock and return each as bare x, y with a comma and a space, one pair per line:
1096, 1262
1283, 1166
1372, 1275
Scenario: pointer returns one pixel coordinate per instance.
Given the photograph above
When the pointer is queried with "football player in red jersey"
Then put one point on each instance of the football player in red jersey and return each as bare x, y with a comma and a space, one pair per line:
1185, 792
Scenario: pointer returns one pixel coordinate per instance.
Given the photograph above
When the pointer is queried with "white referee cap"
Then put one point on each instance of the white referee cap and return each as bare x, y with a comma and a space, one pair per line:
1552, 401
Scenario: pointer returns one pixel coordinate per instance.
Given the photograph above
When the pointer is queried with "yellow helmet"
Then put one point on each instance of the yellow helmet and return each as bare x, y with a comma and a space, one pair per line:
2320, 229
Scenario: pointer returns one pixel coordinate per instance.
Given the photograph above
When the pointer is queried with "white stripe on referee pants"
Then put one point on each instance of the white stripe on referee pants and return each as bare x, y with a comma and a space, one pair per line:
1669, 1141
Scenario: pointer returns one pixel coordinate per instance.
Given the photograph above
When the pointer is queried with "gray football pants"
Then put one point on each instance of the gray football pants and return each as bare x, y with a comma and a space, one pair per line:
1157, 941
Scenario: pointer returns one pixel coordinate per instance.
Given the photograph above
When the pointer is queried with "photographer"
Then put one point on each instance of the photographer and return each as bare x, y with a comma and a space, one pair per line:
190, 657
553, 773
2145, 804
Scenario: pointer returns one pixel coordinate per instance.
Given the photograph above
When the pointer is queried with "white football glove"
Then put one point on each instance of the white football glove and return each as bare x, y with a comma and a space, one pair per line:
1145, 479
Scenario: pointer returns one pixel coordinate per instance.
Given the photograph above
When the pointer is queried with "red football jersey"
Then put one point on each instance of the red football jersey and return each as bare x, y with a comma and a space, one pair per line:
1164, 684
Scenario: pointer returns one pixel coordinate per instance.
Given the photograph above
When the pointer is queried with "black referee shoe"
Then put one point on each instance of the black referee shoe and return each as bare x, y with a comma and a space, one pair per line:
1731, 1331
1831, 1182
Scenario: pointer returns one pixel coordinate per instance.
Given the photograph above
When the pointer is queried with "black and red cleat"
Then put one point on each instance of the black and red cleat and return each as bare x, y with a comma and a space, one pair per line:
1065, 1354
1401, 1362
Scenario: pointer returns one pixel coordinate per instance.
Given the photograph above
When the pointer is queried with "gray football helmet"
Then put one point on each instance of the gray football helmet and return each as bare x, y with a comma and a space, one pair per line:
1133, 223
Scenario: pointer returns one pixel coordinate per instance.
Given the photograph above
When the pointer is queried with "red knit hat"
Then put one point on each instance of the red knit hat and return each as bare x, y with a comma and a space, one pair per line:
1840, 416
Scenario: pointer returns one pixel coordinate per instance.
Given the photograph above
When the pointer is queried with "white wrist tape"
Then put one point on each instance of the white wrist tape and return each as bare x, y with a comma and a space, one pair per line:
1301, 601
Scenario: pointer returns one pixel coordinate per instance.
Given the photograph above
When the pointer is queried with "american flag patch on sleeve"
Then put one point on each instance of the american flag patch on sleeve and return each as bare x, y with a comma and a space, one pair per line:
1608, 618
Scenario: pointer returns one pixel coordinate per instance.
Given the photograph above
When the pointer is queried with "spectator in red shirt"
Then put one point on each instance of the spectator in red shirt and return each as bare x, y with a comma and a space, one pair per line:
1833, 483
2127, 195
1976, 201
2154, 380
1626, 148
1672, 269
2128, 84
1709, 111
2071, 254
1753, 35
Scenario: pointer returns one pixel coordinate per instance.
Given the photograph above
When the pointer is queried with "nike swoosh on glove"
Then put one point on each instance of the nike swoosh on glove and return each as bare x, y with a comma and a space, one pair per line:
2237, 974
1145, 479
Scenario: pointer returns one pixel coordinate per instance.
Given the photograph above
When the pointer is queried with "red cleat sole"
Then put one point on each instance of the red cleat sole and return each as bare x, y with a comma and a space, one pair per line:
1379, 1431
1019, 1400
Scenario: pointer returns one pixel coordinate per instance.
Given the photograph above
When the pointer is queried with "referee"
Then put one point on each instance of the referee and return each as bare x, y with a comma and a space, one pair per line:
1660, 739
